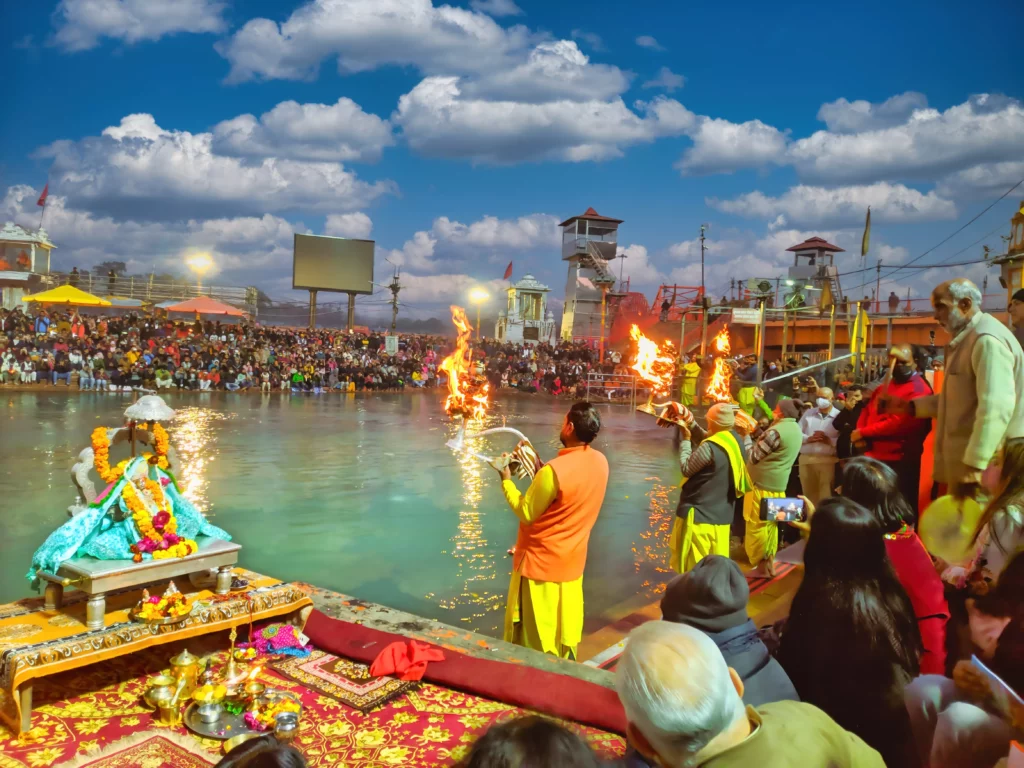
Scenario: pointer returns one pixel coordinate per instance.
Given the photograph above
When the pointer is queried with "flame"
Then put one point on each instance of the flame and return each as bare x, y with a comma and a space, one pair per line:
653, 365
718, 386
467, 392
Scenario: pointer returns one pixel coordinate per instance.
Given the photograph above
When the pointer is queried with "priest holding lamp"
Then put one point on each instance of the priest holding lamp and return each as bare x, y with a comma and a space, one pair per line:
556, 515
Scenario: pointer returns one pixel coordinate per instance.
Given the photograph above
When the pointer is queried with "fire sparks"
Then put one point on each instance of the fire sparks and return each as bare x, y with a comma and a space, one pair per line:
718, 386
653, 365
467, 390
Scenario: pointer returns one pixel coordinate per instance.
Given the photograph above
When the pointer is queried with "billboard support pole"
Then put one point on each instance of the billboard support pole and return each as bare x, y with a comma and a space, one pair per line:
312, 310
351, 311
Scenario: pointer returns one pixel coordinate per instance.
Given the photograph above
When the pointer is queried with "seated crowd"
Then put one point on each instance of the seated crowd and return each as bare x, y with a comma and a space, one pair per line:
131, 351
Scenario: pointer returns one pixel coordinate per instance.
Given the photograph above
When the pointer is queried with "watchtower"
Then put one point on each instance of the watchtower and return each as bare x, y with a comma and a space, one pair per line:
589, 242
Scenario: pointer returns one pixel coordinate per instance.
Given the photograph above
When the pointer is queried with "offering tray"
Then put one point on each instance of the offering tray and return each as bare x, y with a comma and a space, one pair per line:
133, 614
227, 727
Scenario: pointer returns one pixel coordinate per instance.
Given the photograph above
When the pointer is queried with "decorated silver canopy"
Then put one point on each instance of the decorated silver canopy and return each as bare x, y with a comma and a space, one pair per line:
149, 408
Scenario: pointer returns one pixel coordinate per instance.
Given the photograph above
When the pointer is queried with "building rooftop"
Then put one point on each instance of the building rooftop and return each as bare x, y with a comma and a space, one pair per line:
816, 243
12, 233
591, 215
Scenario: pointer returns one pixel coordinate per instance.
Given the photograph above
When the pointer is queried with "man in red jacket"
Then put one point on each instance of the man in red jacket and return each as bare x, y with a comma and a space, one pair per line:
896, 439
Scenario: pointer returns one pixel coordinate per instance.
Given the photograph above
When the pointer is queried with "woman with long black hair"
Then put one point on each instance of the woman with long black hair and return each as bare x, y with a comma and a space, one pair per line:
874, 486
851, 643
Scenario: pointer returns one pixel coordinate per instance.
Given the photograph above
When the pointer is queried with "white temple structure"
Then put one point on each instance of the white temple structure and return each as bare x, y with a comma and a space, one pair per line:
526, 318
24, 260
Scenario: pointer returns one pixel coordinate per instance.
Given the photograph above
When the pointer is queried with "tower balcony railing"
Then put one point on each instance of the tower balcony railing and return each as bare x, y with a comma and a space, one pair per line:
575, 245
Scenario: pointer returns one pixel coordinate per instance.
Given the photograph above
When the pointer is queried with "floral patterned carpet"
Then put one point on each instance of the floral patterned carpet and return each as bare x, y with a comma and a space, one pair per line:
89, 709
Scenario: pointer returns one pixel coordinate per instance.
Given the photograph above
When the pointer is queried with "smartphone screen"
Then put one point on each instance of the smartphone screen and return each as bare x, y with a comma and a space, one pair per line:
784, 510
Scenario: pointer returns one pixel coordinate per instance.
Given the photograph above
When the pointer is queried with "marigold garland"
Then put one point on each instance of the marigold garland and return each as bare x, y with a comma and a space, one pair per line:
159, 532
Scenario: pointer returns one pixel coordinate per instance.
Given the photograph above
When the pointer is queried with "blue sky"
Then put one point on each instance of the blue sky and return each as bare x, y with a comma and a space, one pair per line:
457, 136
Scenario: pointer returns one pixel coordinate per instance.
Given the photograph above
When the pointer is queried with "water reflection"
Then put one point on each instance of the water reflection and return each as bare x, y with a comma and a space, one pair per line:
475, 559
652, 551
192, 435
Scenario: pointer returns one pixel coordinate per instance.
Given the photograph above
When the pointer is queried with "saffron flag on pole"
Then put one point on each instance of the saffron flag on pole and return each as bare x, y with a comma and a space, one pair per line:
42, 198
865, 242
508, 271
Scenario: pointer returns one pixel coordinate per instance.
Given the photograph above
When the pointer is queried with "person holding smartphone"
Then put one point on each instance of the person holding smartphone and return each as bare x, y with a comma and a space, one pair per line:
769, 463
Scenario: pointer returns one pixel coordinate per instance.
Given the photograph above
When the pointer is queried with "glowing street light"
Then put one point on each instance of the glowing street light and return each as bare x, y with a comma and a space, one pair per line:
199, 262
478, 296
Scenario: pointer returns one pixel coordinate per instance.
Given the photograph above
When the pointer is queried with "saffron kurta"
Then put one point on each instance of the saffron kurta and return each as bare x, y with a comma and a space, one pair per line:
556, 515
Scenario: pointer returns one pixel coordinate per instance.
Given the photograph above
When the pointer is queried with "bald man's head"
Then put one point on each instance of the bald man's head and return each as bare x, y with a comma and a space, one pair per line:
955, 302
678, 693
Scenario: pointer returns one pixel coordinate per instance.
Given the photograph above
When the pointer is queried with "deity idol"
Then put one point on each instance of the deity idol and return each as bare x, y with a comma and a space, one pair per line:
141, 513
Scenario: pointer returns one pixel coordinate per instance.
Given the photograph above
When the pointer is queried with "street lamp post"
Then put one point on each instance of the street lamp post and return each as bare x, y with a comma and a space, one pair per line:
200, 263
478, 296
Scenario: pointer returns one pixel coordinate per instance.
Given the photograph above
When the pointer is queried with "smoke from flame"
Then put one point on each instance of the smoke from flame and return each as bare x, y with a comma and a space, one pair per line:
467, 393
653, 365
718, 386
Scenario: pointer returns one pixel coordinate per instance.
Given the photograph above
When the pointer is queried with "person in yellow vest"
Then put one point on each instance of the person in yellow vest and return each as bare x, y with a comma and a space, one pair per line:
769, 465
714, 478
688, 393
556, 515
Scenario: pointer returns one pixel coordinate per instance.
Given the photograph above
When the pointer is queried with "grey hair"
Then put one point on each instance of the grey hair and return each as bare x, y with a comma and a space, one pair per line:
676, 690
965, 289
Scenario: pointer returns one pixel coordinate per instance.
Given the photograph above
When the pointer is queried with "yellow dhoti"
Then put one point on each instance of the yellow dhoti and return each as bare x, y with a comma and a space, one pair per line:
761, 537
691, 542
545, 615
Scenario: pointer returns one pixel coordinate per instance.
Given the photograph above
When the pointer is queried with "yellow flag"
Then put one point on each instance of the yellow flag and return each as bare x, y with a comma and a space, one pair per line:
859, 333
865, 242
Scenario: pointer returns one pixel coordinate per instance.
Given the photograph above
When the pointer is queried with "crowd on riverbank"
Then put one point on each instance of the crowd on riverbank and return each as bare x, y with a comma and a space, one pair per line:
59, 348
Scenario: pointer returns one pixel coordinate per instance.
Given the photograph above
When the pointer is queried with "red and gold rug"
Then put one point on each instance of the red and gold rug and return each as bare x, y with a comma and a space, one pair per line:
81, 712
148, 749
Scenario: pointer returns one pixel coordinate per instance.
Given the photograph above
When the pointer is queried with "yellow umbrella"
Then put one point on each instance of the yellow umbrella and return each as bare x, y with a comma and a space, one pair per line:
69, 296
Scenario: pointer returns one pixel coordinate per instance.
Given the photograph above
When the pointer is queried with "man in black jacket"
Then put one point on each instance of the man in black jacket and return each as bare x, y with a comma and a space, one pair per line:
846, 421
712, 597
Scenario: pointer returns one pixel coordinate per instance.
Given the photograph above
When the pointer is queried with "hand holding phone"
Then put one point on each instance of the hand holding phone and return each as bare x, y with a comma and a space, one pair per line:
784, 510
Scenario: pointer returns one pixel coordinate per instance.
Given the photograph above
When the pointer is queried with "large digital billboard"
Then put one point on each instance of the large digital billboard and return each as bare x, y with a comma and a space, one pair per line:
322, 263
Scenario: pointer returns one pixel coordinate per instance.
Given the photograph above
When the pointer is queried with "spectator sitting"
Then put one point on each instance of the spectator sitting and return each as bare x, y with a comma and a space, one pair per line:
851, 643
530, 742
875, 487
684, 709
713, 598
954, 721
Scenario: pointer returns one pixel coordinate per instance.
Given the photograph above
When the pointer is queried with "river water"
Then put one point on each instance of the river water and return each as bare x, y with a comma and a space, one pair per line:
352, 493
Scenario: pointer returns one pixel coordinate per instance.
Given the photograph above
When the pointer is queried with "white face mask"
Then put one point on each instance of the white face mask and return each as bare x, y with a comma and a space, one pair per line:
823, 404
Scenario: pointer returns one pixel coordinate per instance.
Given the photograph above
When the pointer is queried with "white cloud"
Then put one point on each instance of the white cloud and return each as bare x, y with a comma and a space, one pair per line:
720, 146
843, 116
438, 119
446, 288
496, 7
592, 39
987, 180
553, 71
638, 267
138, 170
666, 79
366, 34
356, 225
341, 131
891, 255
458, 242
820, 206
646, 41
81, 23
929, 144
245, 249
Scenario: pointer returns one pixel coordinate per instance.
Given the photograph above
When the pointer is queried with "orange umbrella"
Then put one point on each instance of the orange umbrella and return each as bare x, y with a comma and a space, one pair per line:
204, 305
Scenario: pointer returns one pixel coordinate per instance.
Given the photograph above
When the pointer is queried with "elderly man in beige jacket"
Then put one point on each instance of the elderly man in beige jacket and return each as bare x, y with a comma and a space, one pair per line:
982, 398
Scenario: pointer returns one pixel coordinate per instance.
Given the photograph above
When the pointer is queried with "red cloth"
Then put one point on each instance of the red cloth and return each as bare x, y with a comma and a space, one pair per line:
508, 271
42, 198
406, 661
517, 684
890, 433
914, 569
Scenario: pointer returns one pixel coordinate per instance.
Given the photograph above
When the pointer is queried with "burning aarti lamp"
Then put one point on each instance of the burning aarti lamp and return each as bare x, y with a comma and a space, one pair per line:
656, 366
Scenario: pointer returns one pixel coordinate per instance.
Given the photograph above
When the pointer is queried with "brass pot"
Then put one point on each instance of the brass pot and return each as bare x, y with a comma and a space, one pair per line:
186, 666
160, 688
